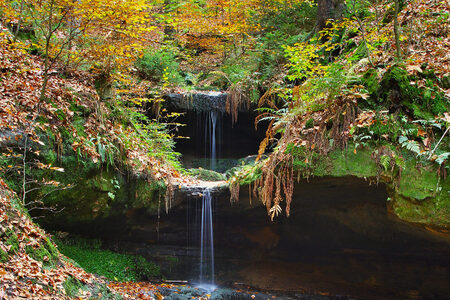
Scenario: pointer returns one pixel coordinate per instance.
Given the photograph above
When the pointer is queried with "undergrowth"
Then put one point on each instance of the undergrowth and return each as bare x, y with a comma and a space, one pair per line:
89, 254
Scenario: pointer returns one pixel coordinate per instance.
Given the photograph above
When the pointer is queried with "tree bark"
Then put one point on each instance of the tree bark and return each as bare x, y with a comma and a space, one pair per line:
326, 10
396, 30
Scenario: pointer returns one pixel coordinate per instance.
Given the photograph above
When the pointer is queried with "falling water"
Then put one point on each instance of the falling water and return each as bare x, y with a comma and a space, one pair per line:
212, 136
207, 243
213, 118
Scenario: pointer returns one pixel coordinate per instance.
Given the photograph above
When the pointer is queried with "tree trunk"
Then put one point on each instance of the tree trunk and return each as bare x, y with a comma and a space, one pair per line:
19, 22
44, 84
326, 10
396, 30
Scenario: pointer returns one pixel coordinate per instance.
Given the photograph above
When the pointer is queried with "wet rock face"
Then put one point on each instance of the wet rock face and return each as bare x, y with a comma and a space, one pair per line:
233, 141
214, 139
340, 239
198, 101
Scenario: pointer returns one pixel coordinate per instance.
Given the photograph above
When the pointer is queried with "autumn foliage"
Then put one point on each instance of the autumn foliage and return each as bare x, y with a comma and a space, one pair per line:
27, 254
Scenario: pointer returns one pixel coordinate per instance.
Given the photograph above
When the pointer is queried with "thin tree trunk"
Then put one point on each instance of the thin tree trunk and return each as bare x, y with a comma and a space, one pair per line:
396, 31
45, 82
363, 32
47, 48
19, 23
24, 160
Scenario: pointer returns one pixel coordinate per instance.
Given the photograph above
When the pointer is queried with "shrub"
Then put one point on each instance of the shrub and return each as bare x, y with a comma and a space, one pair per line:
158, 65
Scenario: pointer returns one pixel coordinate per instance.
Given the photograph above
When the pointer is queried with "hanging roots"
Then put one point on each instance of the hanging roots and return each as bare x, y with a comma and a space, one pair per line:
234, 191
170, 192
343, 117
277, 179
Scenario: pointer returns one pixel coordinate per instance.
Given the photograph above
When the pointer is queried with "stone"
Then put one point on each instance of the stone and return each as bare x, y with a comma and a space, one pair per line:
197, 101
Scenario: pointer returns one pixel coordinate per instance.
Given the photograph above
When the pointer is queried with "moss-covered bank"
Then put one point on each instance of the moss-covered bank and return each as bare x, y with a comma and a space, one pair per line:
418, 194
95, 198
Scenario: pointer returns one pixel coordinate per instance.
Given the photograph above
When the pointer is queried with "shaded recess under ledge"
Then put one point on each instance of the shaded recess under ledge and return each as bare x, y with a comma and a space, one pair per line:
229, 142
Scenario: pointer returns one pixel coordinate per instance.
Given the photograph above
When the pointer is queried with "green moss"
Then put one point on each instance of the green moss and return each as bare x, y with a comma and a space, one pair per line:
432, 211
208, 175
102, 292
309, 123
417, 195
172, 259
399, 90
46, 252
3, 256
347, 162
51, 248
418, 183
146, 194
40, 254
370, 80
12, 240
97, 194
73, 287
422, 196
114, 266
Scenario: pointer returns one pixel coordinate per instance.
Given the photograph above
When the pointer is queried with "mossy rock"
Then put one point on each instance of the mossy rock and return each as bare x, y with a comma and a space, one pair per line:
418, 183
398, 91
422, 196
352, 162
370, 81
208, 175
73, 287
419, 195
395, 87
99, 197
46, 252
425, 212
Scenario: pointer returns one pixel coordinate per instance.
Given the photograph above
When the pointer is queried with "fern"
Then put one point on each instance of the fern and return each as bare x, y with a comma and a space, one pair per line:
400, 162
442, 158
385, 161
402, 139
411, 145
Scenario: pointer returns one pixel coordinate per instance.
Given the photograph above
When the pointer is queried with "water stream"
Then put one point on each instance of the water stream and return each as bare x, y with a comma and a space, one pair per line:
213, 133
207, 243
213, 118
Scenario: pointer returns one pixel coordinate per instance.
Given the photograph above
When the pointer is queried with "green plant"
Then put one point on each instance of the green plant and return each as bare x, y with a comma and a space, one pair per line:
46, 252
154, 136
159, 64
114, 266
72, 287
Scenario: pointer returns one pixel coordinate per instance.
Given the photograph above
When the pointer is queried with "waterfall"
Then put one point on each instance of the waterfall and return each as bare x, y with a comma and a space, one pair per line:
212, 136
207, 242
213, 118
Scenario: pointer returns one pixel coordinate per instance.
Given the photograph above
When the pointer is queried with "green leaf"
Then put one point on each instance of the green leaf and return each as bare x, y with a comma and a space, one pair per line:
385, 161
442, 158
402, 139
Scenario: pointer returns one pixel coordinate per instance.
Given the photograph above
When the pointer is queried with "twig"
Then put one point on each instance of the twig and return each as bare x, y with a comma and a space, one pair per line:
24, 160
442, 137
